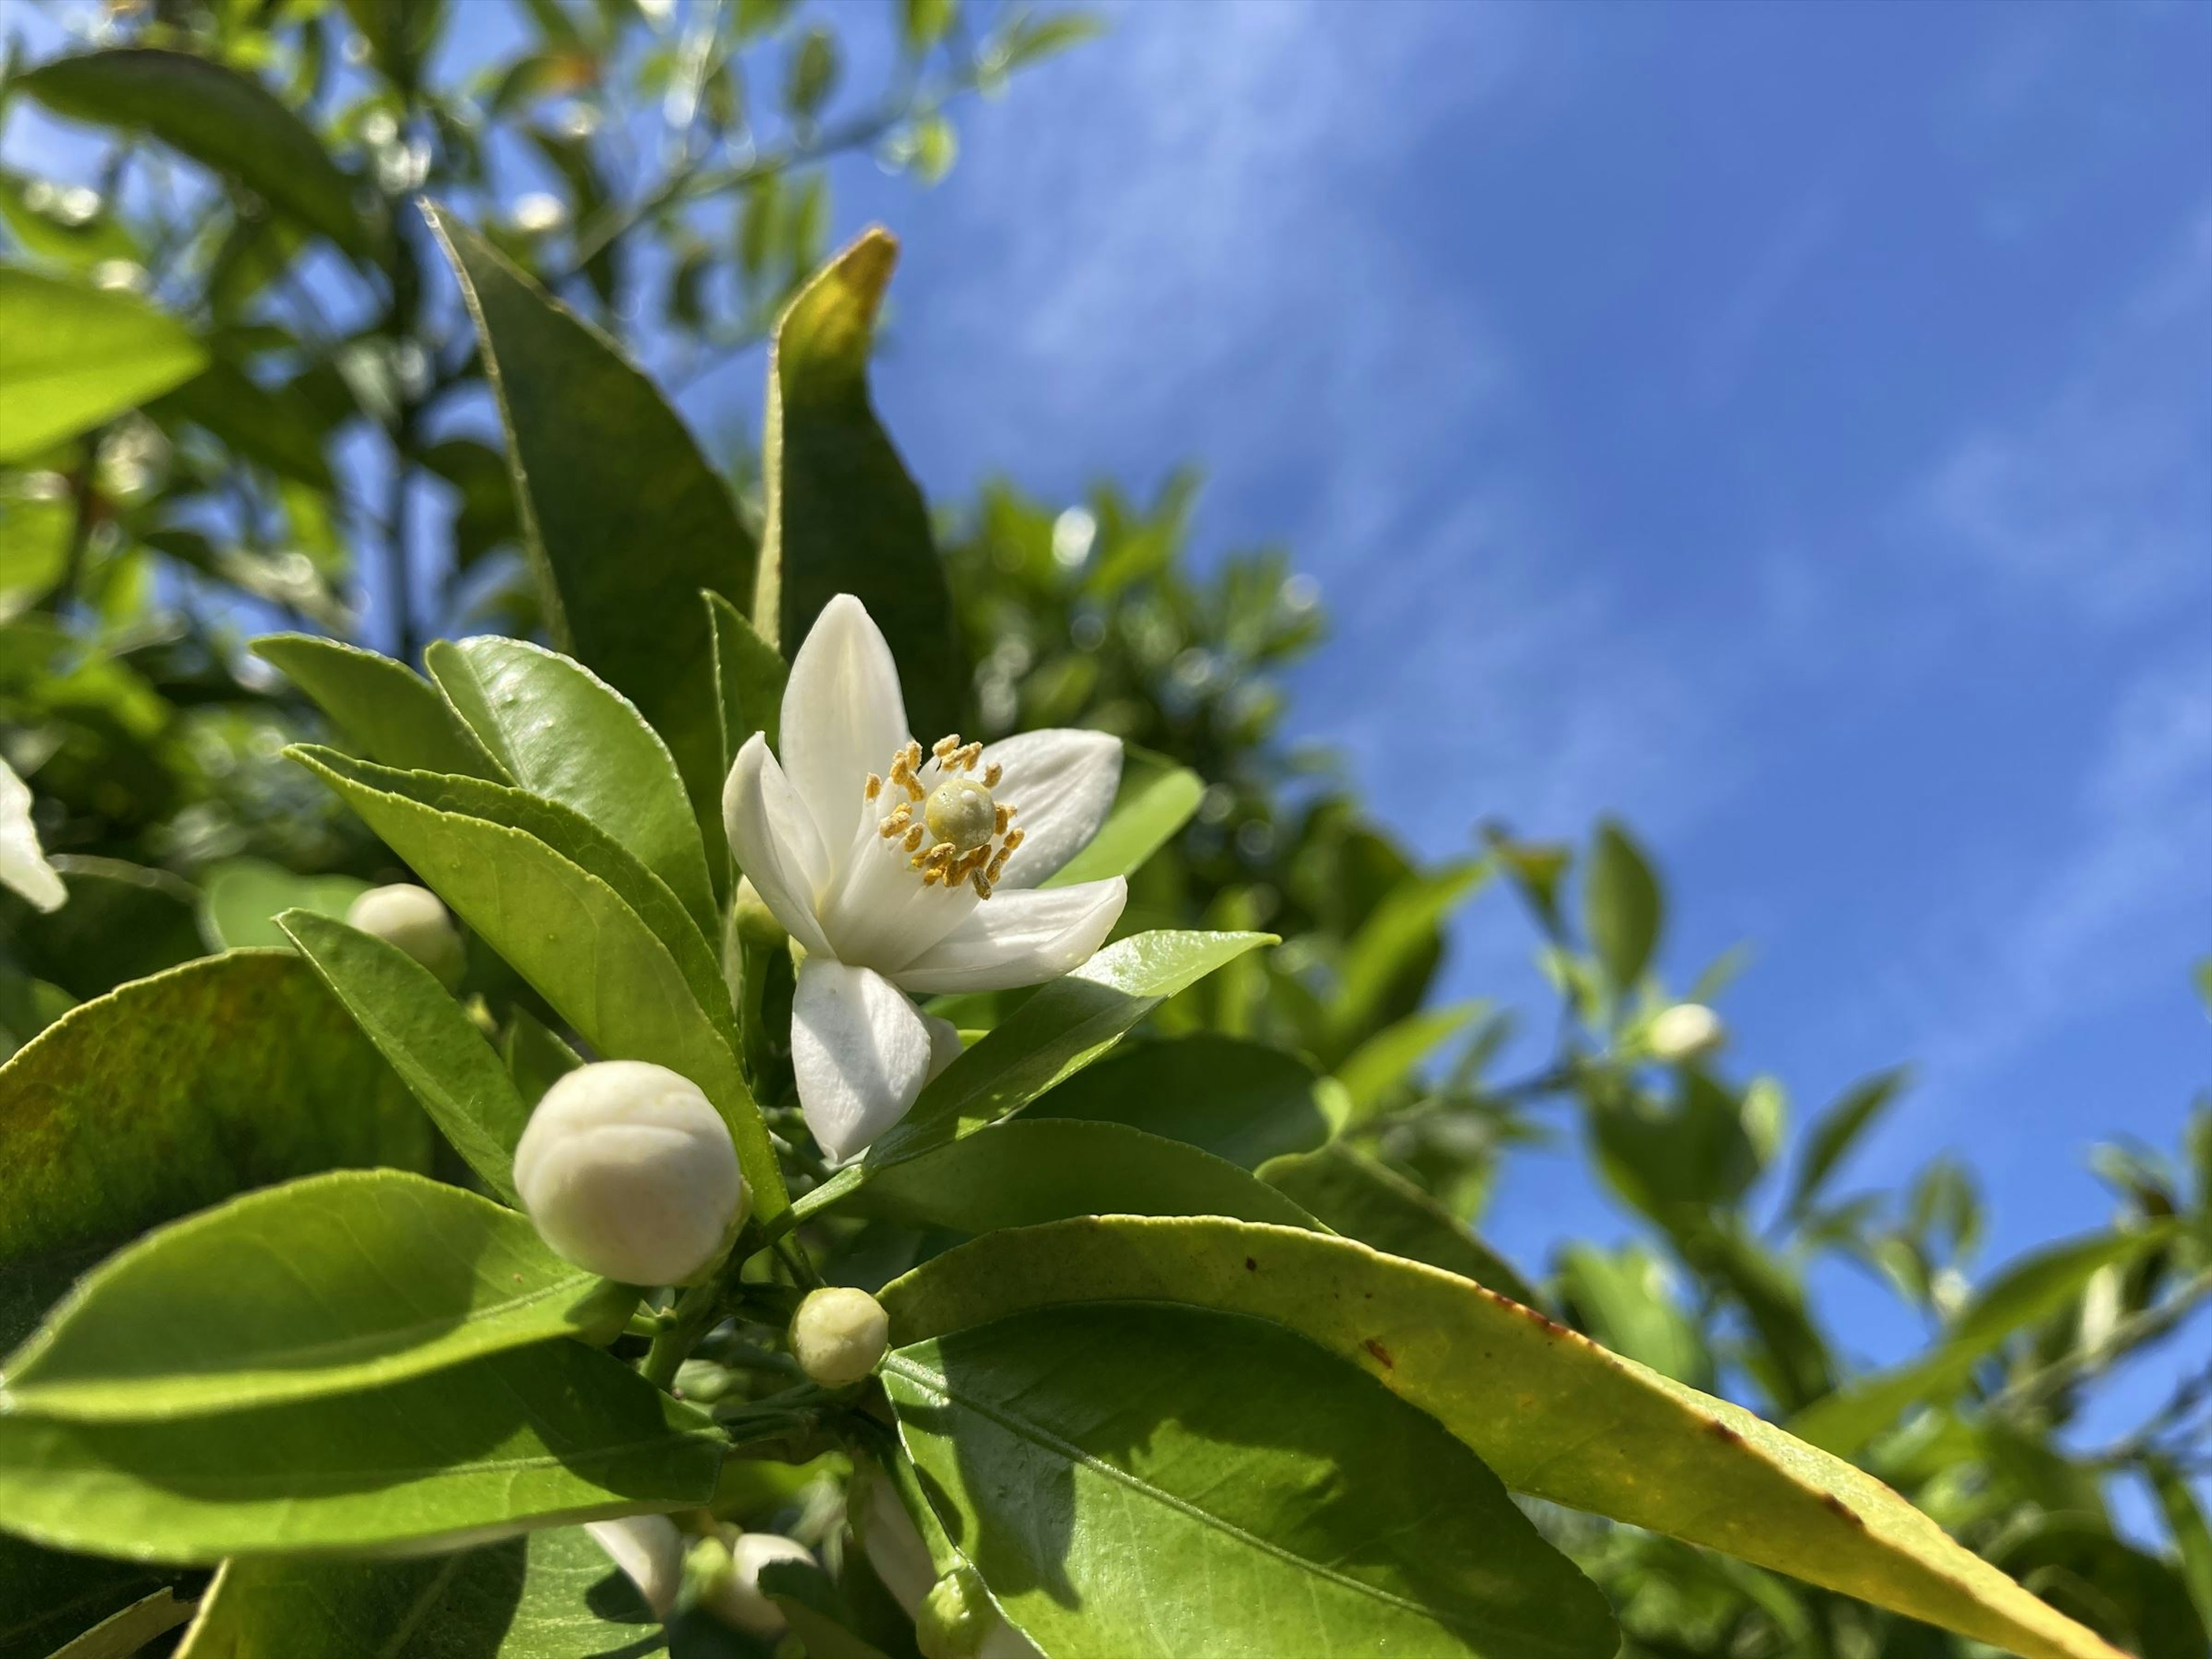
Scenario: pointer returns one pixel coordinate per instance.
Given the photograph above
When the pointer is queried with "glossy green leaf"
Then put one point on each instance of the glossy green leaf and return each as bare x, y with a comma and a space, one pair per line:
1831, 1136
624, 520
1524, 1393
626, 993
426, 1037
1155, 800
553, 1594
2030, 1291
1372, 1073
48, 1599
241, 898
843, 514
575, 838
384, 708
535, 1437
1160, 1480
1388, 960
1621, 906
174, 1093
1240, 1100
328, 1284
72, 356
121, 921
1350, 1193
749, 676
217, 117
1624, 1300
560, 731
1029, 1169
1068, 1024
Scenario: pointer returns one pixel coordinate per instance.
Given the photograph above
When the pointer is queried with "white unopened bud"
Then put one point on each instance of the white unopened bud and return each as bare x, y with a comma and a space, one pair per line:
1684, 1031
738, 1600
628, 1171
649, 1549
901, 1560
838, 1334
412, 918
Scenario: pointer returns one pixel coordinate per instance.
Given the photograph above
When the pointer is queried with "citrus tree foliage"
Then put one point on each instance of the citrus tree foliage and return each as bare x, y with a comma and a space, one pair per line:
1186, 1338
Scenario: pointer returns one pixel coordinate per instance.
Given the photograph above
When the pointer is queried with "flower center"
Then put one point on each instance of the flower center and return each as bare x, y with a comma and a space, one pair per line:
963, 834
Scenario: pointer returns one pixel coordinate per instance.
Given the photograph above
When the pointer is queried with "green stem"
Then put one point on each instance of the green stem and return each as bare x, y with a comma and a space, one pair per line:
693, 1318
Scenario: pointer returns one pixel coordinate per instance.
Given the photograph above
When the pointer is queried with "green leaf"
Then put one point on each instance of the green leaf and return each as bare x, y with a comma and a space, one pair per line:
329, 1285
280, 426
1240, 1100
122, 1634
1350, 1193
384, 708
1390, 959
174, 1093
1032, 1170
1068, 1024
241, 898
627, 994
553, 1594
72, 356
560, 731
47, 1599
2026, 1293
1156, 799
1156, 1479
68, 224
531, 1438
121, 921
843, 515
1675, 1164
749, 676
1621, 906
2185, 1524
1372, 1073
1625, 1302
623, 518
2137, 1600
217, 117
1523, 1393
422, 1033
1831, 1136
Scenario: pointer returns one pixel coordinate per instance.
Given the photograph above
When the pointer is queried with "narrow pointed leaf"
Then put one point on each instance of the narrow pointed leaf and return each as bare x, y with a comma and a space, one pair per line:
1524, 1394
537, 1437
384, 709
560, 731
843, 514
622, 515
749, 676
325, 1286
1830, 1136
1373, 1072
47, 1599
1622, 907
1151, 1480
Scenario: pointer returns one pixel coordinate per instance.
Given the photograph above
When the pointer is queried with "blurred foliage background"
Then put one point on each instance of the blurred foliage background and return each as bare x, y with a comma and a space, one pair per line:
296, 434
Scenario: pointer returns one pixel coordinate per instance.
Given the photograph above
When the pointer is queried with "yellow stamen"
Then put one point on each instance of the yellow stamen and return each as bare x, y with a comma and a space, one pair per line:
913, 838
1005, 817
992, 773
875, 787
898, 819
944, 747
981, 886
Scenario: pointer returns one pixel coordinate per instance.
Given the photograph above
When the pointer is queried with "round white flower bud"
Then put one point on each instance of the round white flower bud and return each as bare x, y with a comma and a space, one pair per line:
1684, 1031
628, 1171
649, 1549
738, 1600
412, 918
838, 1334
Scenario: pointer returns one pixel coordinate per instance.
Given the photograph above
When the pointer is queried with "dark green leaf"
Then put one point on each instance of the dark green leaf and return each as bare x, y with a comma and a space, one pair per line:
121, 921
749, 676
217, 117
1373, 1073
1831, 1136
384, 708
1621, 906
1350, 1193
1624, 1300
280, 427
1167, 1479
843, 515
72, 356
47, 1598
422, 1033
2138, 1600
1387, 964
537, 1437
623, 517
1240, 1100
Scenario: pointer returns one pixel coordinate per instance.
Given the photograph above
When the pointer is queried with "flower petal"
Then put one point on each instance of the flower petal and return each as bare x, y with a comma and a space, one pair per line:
23, 864
944, 1044
1064, 781
650, 1550
1020, 937
860, 1051
843, 716
773, 837
879, 914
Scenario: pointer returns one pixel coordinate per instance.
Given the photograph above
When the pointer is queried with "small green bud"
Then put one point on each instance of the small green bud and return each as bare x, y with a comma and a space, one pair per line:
956, 1617
838, 1334
753, 922
413, 919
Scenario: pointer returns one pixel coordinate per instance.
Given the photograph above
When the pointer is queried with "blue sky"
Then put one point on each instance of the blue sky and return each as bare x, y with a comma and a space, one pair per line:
1790, 426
